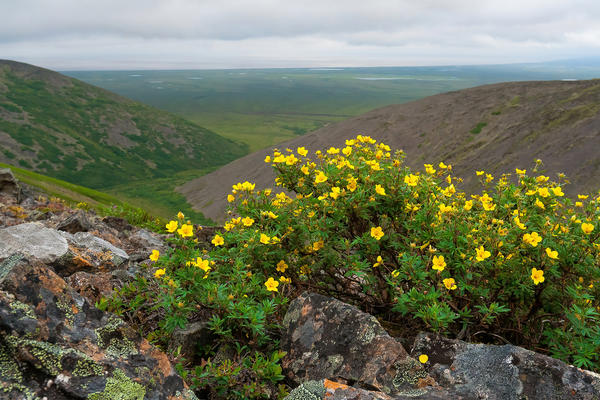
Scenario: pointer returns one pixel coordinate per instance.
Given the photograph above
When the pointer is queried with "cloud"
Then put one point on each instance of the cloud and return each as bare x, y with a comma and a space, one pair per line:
285, 33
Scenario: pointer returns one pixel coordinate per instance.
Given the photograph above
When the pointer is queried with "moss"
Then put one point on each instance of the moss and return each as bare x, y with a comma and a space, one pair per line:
25, 309
311, 390
120, 387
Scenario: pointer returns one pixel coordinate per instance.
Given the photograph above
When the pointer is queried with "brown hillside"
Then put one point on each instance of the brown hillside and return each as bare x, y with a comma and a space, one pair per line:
558, 122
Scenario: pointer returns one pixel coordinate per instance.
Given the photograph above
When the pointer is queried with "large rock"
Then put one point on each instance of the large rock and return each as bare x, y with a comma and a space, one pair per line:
55, 344
503, 372
8, 183
34, 240
327, 338
89, 253
76, 222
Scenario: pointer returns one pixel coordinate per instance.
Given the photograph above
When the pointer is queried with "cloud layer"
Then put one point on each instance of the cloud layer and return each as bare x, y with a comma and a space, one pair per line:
260, 33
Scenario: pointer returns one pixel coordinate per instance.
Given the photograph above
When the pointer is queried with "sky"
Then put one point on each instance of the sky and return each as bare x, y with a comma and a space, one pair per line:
211, 34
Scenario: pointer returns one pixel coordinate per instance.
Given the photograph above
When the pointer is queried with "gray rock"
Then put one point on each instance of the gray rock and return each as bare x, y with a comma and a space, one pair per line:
91, 243
503, 372
8, 183
34, 240
74, 223
195, 335
327, 338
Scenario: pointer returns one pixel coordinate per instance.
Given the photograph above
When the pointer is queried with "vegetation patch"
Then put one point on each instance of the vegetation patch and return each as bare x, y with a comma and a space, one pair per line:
478, 128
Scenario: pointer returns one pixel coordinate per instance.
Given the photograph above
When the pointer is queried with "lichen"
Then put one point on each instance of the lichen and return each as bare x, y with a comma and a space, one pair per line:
25, 392
25, 309
120, 387
9, 370
66, 308
187, 394
48, 355
7, 265
408, 374
121, 348
87, 367
111, 325
311, 390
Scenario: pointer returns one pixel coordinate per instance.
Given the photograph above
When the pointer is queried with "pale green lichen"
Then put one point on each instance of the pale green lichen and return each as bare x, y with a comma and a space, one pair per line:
9, 370
66, 308
24, 392
334, 362
121, 348
87, 367
111, 325
408, 374
7, 265
25, 309
368, 334
46, 354
120, 387
187, 394
311, 390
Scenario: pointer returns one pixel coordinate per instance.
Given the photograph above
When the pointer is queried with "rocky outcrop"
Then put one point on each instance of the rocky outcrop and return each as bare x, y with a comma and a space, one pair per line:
34, 240
8, 183
55, 344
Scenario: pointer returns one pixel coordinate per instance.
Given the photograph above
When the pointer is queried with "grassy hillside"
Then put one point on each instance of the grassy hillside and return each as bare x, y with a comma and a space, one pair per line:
70, 130
495, 128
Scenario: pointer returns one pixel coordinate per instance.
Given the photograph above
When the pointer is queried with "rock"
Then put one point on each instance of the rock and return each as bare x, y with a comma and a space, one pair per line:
89, 252
34, 240
195, 335
503, 372
8, 183
119, 224
93, 286
55, 344
74, 223
327, 338
144, 242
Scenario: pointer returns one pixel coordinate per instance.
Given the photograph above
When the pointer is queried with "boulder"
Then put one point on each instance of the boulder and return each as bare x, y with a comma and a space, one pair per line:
8, 183
34, 240
54, 344
73, 223
503, 372
325, 338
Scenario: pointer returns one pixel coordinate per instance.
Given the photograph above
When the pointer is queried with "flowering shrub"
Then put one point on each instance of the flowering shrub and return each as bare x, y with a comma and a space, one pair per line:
518, 262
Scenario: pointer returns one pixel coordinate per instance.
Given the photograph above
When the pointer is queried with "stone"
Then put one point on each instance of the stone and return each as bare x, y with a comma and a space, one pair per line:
144, 242
77, 222
8, 183
504, 372
55, 344
93, 286
119, 224
327, 338
34, 240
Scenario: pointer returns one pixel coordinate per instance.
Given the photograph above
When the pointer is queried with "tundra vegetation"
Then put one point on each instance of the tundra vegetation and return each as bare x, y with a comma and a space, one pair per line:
518, 262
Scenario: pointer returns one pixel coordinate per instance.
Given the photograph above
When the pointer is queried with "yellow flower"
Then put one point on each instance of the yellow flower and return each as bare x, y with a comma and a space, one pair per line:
186, 230
429, 169
380, 190
543, 192
411, 180
159, 272
423, 358
378, 262
541, 179
377, 232
271, 285
532, 238
335, 192
552, 253
302, 151
351, 184
320, 177
247, 221
347, 150
154, 256
578, 204
449, 191
438, 263
530, 192
468, 205
268, 159
558, 191
395, 273
582, 197
304, 170
283, 279
172, 226
264, 239
587, 228
230, 198
540, 204
537, 275
519, 223
333, 150
281, 266
479, 173
482, 253
449, 283
218, 240
521, 171
318, 245
180, 215
203, 264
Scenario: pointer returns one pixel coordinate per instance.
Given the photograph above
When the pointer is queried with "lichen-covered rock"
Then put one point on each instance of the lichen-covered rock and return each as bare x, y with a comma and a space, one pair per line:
34, 240
327, 338
503, 372
93, 286
55, 344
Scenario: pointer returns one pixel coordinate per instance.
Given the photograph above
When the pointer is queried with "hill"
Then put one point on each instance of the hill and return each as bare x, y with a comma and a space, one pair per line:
493, 127
77, 132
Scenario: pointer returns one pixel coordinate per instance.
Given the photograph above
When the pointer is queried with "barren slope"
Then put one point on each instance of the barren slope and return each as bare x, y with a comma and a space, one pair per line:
556, 121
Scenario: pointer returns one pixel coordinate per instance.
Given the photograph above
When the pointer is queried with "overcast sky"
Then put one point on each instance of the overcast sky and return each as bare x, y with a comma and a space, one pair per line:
182, 34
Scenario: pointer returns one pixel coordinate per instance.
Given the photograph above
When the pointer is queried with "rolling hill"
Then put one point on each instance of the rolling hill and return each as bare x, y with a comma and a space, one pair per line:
68, 129
493, 127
